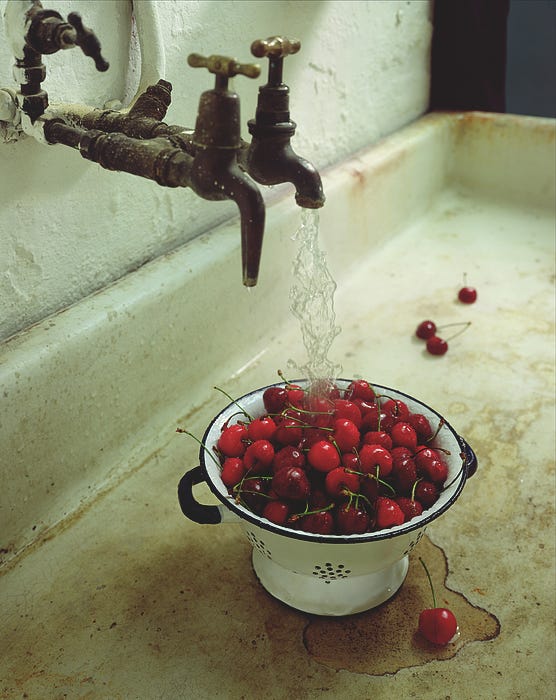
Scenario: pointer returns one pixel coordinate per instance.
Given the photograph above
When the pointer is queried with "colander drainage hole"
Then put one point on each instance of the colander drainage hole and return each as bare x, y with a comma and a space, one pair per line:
329, 572
259, 544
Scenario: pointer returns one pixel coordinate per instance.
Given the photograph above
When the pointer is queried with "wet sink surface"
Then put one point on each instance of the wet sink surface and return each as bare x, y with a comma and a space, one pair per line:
130, 600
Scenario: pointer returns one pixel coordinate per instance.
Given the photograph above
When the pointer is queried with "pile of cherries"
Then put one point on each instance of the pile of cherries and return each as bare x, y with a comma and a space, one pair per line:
332, 461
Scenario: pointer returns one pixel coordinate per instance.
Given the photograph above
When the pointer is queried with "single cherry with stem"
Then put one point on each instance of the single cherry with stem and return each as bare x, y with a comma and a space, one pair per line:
467, 295
437, 625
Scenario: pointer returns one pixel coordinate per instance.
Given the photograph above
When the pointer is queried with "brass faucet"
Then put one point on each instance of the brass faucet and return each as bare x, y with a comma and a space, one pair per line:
212, 158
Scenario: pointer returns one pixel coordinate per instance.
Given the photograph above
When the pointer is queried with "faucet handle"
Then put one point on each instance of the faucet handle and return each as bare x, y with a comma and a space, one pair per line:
223, 67
275, 47
87, 41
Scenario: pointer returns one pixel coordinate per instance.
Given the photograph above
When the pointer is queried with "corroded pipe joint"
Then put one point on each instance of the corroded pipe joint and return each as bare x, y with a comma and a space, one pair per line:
154, 159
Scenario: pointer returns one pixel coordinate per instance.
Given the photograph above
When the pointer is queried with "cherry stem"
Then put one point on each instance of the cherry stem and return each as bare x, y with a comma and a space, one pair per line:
234, 402
430, 582
297, 516
205, 448
466, 326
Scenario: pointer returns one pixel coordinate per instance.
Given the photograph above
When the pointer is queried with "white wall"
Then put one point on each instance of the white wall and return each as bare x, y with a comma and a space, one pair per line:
69, 228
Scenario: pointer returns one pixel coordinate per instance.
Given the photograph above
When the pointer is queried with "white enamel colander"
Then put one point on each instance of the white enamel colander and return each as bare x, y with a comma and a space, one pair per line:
325, 574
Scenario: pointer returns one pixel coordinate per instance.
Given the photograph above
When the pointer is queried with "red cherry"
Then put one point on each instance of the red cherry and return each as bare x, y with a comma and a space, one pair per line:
296, 395
421, 426
425, 330
345, 435
323, 456
288, 456
231, 441
388, 513
352, 520
360, 389
437, 625
426, 493
403, 435
277, 512
288, 432
275, 398
404, 474
347, 409
373, 456
338, 480
467, 295
258, 456
291, 483
321, 523
261, 428
409, 507
397, 409
378, 437
232, 471
437, 346
253, 495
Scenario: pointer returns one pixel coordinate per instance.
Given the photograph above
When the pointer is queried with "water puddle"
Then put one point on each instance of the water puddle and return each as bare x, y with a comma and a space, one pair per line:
385, 640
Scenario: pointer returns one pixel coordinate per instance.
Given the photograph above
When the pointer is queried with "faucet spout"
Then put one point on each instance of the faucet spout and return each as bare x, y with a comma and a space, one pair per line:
216, 175
271, 160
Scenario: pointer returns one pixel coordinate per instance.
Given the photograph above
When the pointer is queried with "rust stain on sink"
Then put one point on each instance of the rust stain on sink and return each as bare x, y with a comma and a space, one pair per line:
385, 640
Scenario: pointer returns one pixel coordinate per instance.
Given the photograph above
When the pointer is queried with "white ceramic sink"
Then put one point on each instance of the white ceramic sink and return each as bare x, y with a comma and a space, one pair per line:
92, 397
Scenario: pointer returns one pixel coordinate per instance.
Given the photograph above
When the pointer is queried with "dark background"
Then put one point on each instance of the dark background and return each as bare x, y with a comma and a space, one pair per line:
531, 58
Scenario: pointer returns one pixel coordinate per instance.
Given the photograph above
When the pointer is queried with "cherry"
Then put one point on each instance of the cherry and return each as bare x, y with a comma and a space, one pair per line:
296, 395
288, 456
289, 432
360, 389
345, 435
277, 512
323, 456
321, 522
421, 426
258, 456
437, 625
397, 409
275, 398
425, 330
373, 458
261, 428
347, 409
437, 346
233, 471
388, 513
252, 492
403, 435
378, 437
338, 480
467, 295
404, 474
409, 507
231, 441
426, 493
291, 483
352, 520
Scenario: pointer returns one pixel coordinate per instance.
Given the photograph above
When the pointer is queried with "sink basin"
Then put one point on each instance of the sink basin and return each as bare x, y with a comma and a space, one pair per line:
100, 569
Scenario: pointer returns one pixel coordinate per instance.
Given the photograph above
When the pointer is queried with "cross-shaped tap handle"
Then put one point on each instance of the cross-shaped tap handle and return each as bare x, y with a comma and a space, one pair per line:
275, 48
223, 67
87, 41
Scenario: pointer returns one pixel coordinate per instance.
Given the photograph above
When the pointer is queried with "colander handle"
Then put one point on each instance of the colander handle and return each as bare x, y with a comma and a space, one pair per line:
471, 462
199, 512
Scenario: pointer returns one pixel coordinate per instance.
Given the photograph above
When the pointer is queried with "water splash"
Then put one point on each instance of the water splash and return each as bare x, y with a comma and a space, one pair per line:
312, 301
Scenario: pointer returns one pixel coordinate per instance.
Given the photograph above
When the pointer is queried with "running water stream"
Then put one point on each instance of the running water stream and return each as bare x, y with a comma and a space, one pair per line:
312, 301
